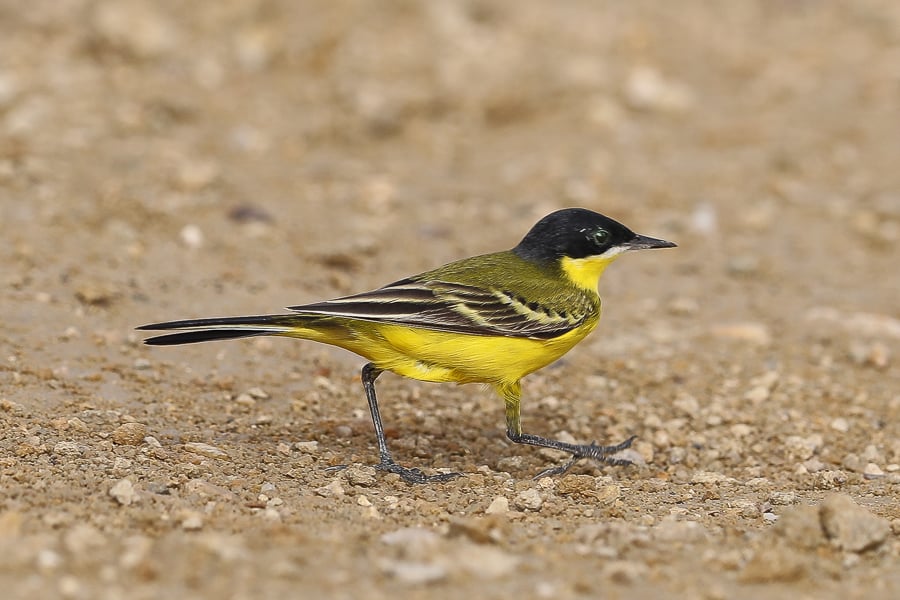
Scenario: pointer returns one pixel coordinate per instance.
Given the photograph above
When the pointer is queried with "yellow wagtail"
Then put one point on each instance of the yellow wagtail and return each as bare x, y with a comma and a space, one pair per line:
490, 319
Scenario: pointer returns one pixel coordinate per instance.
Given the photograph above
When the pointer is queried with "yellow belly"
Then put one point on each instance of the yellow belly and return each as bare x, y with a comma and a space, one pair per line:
439, 356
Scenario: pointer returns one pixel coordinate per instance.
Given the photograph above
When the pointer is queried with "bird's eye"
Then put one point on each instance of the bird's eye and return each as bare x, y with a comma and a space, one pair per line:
601, 237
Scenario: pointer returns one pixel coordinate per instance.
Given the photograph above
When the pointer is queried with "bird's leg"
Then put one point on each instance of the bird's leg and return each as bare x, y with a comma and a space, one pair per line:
512, 394
369, 374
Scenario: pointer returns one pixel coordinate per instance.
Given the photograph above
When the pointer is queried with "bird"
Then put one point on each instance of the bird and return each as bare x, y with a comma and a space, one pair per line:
489, 319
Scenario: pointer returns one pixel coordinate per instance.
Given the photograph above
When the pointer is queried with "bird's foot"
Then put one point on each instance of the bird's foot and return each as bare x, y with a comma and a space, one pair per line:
413, 475
409, 475
603, 454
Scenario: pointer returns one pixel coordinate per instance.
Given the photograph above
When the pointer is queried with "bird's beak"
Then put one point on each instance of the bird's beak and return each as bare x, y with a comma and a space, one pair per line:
642, 242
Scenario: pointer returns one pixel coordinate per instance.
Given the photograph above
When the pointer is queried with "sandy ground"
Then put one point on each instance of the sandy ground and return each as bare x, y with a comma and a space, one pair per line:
163, 160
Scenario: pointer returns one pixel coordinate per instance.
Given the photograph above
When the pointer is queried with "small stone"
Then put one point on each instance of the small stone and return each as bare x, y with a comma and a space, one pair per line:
137, 29
191, 520
68, 448
195, 175
498, 506
576, 485
850, 526
529, 499
840, 424
708, 477
783, 498
801, 527
124, 493
876, 355
852, 462
741, 430
258, 393
100, 294
800, 449
206, 450
683, 307
245, 400
310, 447
332, 490
647, 89
360, 475
191, 236
872, 471
758, 394
754, 333
141, 364
129, 434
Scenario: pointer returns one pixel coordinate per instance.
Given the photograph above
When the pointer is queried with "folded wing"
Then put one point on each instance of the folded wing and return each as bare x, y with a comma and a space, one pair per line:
453, 307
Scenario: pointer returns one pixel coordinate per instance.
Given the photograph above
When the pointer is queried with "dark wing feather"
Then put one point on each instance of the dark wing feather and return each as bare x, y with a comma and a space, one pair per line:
453, 307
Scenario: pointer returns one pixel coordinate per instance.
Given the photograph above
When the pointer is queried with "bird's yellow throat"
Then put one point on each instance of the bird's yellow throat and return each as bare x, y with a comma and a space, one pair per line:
586, 272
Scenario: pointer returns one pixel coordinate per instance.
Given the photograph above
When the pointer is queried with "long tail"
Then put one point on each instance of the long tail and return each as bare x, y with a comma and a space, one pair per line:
221, 328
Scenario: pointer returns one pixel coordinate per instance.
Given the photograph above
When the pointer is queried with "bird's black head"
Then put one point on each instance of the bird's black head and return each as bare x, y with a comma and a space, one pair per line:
580, 233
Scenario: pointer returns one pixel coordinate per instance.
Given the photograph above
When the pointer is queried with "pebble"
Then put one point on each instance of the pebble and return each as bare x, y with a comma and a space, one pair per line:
137, 29
850, 526
529, 499
124, 493
801, 527
207, 450
800, 448
129, 434
783, 498
498, 506
360, 475
754, 333
258, 393
96, 294
872, 471
195, 175
191, 520
310, 447
840, 424
332, 490
683, 307
191, 236
68, 448
647, 89
876, 354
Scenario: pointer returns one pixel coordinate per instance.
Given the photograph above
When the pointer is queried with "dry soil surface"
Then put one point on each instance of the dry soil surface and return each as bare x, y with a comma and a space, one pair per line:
168, 159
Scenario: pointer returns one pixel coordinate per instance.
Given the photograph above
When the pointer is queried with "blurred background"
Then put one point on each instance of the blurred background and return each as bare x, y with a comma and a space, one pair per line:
166, 159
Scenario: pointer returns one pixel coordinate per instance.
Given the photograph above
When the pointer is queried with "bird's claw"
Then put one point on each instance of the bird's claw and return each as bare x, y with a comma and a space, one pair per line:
603, 454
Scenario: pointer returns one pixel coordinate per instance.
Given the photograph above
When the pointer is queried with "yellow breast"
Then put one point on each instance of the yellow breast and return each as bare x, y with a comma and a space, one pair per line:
439, 356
